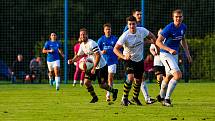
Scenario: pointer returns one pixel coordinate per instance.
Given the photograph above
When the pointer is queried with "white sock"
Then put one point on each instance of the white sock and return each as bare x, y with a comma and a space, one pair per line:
144, 90
57, 79
171, 86
163, 89
74, 82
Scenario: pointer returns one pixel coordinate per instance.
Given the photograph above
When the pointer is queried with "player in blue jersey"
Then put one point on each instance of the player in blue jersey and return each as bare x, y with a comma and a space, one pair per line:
106, 44
173, 34
138, 15
53, 48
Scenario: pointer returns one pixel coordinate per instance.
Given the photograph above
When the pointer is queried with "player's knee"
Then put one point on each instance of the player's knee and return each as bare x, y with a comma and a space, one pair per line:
177, 75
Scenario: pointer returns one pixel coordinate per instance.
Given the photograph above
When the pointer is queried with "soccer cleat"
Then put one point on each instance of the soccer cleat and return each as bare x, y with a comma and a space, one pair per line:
74, 84
159, 99
115, 93
150, 101
167, 103
94, 100
137, 101
108, 98
125, 102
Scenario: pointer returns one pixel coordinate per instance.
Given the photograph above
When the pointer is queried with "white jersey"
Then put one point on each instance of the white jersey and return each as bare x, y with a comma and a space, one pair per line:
89, 48
133, 43
157, 61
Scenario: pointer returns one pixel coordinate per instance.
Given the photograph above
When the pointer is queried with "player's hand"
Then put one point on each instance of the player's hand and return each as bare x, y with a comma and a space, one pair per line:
70, 61
93, 70
103, 51
173, 52
127, 56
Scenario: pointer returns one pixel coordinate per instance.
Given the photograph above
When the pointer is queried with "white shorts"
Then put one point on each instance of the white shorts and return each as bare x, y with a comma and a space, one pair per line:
112, 68
170, 62
53, 64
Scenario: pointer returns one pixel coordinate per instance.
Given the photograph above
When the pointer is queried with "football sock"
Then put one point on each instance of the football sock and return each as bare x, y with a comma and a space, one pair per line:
163, 89
126, 88
74, 82
171, 86
91, 91
144, 90
57, 79
136, 90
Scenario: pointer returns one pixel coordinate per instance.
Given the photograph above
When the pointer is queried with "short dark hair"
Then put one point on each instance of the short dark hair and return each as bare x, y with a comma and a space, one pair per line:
135, 10
177, 11
131, 18
84, 29
107, 25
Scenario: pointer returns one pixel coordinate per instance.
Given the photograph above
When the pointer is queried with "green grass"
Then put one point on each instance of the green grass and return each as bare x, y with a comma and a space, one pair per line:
24, 102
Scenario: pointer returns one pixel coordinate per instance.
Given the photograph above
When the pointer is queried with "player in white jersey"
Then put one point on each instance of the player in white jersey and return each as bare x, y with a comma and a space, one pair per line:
159, 68
132, 42
168, 41
100, 68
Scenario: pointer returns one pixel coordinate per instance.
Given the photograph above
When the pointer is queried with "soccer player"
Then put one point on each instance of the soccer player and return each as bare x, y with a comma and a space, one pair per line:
138, 15
106, 44
100, 68
52, 48
173, 34
159, 68
132, 42
77, 69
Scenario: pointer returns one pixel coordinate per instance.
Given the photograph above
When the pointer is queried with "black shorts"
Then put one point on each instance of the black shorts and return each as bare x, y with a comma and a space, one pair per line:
136, 68
159, 70
101, 74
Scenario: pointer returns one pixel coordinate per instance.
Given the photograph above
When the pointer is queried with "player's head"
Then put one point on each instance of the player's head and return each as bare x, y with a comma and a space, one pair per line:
19, 57
107, 29
177, 16
137, 13
38, 59
83, 35
53, 36
132, 23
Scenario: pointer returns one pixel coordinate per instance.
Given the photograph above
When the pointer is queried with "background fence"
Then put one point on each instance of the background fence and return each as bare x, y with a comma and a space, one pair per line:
25, 26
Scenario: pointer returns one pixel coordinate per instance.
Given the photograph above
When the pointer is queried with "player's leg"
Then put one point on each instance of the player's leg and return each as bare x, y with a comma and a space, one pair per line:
90, 88
51, 72
111, 72
129, 69
102, 75
57, 73
82, 78
77, 70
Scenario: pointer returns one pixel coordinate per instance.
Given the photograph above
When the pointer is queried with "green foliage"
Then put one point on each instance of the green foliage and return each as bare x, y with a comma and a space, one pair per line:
41, 102
202, 51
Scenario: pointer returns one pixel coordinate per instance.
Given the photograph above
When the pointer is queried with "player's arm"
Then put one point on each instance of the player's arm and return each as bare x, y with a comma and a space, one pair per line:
185, 47
152, 50
47, 51
97, 56
152, 39
61, 52
117, 51
159, 43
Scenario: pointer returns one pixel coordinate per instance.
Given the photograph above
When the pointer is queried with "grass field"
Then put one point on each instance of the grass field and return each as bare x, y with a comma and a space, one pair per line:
25, 102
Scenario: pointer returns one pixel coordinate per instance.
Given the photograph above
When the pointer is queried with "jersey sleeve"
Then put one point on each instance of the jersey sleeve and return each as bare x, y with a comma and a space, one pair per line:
95, 47
46, 46
100, 44
166, 32
144, 31
122, 38
152, 46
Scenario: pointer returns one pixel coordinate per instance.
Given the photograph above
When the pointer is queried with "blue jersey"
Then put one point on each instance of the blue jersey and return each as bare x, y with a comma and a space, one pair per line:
55, 45
108, 45
173, 36
138, 25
